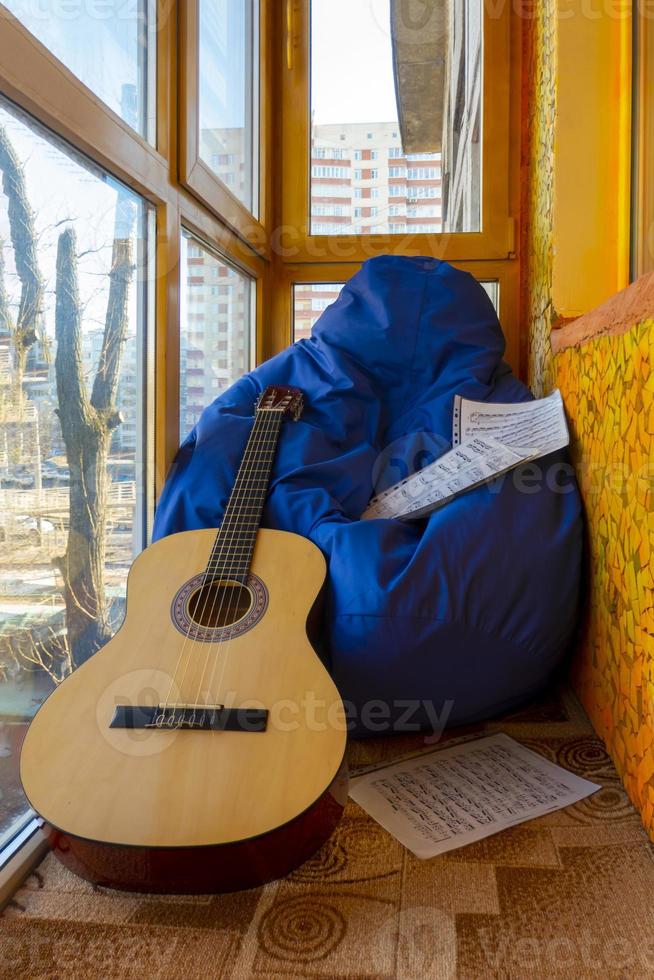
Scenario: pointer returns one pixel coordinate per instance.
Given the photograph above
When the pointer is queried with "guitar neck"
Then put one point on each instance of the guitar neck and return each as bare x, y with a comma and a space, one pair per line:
231, 555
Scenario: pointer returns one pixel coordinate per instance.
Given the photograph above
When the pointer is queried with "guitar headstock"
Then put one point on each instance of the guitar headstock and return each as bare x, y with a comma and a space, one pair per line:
280, 398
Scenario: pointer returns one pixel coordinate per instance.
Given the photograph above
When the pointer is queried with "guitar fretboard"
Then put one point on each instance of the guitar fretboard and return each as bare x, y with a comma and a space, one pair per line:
231, 555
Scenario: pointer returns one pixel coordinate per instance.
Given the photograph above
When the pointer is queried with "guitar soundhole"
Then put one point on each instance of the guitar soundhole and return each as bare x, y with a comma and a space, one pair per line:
219, 604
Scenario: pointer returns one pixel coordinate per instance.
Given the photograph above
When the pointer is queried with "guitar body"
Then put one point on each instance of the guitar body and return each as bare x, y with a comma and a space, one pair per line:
170, 805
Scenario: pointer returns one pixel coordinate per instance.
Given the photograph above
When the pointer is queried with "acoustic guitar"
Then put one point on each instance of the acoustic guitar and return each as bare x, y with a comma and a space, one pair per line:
202, 749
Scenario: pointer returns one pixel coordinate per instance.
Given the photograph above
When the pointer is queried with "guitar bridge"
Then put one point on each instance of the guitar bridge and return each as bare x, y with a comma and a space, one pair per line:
190, 717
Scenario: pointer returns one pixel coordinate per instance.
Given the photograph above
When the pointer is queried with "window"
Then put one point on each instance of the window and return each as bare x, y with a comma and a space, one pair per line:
422, 192
203, 375
341, 172
492, 287
87, 225
309, 300
329, 209
357, 154
327, 153
422, 173
361, 73
374, 192
110, 47
395, 190
228, 99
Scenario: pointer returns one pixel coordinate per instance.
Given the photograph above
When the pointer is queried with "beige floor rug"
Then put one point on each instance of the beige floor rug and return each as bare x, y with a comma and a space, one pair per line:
570, 895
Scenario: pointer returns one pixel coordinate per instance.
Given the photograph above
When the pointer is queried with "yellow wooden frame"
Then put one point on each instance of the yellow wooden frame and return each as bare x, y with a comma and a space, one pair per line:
36, 81
193, 172
294, 274
642, 205
33, 78
496, 240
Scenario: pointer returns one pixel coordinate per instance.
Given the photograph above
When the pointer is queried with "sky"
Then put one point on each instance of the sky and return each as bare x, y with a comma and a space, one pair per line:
352, 63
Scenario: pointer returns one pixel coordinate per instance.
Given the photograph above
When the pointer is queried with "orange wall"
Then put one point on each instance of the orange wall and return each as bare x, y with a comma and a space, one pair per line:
576, 243
576, 256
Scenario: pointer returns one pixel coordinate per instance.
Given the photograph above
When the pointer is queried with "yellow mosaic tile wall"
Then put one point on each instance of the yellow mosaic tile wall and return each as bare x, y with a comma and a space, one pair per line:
540, 75
608, 387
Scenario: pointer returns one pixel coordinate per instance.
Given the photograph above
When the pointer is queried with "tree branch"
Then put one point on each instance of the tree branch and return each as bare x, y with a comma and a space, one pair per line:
115, 329
74, 408
24, 241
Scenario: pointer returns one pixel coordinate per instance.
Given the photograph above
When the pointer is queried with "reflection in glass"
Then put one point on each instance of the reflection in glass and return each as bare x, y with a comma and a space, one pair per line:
110, 46
215, 339
228, 95
74, 295
395, 117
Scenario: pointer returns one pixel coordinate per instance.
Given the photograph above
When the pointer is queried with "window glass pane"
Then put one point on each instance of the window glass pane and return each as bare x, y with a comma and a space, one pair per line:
228, 95
395, 117
216, 336
74, 300
109, 45
492, 287
310, 299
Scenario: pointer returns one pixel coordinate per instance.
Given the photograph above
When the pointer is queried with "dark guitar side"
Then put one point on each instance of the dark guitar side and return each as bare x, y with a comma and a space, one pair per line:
206, 870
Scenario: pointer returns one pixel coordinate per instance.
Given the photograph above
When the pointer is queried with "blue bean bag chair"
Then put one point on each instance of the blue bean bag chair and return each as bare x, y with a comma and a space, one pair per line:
449, 619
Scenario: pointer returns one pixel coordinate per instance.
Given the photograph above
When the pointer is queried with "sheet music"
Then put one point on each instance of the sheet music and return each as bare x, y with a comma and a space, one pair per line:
467, 466
450, 797
540, 423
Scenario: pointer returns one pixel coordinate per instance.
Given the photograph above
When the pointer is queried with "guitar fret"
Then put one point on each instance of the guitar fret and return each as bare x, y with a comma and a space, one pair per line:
236, 538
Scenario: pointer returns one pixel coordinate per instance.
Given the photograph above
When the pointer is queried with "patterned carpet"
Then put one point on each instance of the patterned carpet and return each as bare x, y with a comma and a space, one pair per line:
565, 896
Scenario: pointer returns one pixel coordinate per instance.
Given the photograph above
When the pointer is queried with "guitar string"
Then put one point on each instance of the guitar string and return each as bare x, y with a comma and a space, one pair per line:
268, 446
187, 636
218, 557
245, 501
240, 501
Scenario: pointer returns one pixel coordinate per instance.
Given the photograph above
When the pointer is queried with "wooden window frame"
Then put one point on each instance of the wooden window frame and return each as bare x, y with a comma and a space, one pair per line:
496, 240
252, 272
37, 82
642, 200
297, 274
194, 173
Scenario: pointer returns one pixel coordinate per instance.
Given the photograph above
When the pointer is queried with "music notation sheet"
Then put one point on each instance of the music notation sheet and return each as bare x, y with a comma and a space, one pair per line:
470, 465
449, 797
489, 440
540, 423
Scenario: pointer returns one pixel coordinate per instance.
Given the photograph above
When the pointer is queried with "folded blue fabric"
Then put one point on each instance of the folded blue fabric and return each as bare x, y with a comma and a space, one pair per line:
454, 617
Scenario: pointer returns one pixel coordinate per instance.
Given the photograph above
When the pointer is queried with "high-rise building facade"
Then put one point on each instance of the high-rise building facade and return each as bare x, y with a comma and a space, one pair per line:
363, 183
215, 331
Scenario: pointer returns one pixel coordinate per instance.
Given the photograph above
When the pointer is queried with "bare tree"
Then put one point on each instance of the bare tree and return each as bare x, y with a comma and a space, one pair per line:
24, 242
87, 424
